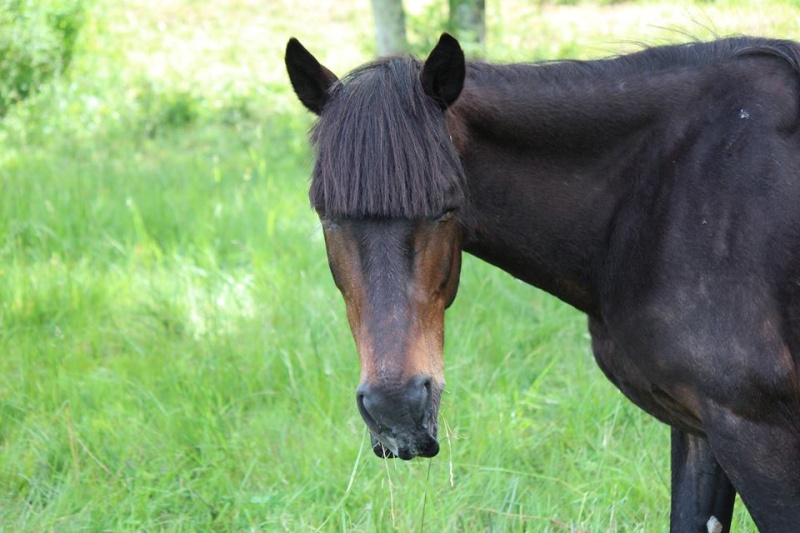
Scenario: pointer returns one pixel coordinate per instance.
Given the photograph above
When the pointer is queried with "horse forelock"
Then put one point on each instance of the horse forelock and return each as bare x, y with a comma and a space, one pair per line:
383, 149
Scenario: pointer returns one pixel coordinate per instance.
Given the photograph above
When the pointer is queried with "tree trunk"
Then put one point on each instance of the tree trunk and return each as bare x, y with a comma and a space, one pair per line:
468, 24
390, 27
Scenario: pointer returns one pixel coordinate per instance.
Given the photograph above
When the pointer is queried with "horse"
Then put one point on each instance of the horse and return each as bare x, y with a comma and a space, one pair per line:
657, 192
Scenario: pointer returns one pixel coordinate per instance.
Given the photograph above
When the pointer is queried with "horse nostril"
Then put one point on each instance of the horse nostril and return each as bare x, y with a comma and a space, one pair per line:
418, 396
383, 408
364, 402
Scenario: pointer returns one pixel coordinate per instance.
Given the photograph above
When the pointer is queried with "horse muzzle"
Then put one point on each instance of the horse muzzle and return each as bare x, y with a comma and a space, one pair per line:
402, 419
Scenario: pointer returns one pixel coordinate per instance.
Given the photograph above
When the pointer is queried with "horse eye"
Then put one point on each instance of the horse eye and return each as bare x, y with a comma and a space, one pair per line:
448, 214
319, 208
326, 220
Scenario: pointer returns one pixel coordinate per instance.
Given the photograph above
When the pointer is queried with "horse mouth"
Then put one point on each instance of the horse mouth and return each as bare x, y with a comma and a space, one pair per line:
401, 425
388, 447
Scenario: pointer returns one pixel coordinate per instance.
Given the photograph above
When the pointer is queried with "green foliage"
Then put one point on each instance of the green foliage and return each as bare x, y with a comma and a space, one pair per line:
37, 42
425, 27
170, 109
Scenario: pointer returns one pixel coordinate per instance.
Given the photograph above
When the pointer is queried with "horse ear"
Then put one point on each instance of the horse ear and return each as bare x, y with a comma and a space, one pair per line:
310, 80
443, 72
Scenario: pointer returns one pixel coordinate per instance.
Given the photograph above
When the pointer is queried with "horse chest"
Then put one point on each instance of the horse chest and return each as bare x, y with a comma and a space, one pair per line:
623, 370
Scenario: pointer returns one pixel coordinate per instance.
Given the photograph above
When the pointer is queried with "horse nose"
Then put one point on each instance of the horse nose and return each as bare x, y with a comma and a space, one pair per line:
384, 407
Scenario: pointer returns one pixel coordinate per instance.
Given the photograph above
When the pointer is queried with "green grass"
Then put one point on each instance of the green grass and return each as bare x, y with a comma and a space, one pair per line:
173, 353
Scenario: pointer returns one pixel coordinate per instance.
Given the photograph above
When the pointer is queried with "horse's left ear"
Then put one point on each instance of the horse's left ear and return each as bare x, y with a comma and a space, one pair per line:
443, 72
310, 80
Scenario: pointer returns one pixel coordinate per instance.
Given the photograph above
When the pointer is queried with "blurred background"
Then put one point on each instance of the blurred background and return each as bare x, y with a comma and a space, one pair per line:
173, 353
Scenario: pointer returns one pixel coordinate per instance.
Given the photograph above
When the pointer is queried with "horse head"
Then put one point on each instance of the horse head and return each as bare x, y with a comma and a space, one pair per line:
388, 187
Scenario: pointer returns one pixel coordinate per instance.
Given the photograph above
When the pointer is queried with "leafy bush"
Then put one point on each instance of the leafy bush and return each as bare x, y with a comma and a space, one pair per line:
164, 109
37, 42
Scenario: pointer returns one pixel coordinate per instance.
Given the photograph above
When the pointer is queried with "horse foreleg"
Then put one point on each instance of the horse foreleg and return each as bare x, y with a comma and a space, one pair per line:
702, 494
762, 459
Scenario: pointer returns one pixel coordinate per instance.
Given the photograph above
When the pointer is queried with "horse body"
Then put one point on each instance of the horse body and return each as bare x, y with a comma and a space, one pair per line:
664, 223
657, 192
673, 223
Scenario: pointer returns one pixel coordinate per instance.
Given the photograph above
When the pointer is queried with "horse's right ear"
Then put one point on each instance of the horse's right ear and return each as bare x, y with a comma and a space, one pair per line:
443, 73
310, 80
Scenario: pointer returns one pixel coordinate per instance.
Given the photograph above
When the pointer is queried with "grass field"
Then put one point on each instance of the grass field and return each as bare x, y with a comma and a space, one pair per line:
173, 353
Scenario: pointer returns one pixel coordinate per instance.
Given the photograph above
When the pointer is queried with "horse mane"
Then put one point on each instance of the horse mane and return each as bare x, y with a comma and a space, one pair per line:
650, 59
704, 53
382, 147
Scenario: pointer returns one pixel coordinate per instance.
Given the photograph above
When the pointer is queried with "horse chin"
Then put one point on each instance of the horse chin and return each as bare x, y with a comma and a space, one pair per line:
424, 445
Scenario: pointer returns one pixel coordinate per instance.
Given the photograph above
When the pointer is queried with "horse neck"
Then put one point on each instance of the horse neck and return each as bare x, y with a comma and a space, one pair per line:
544, 160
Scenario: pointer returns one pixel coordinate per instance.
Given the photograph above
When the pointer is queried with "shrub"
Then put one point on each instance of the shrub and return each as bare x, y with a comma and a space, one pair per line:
37, 42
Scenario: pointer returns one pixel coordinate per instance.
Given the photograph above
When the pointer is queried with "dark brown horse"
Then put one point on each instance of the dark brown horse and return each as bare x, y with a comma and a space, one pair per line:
658, 192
